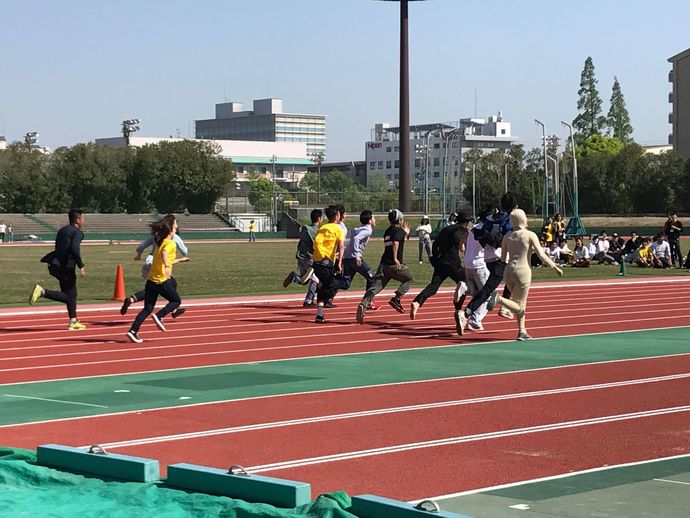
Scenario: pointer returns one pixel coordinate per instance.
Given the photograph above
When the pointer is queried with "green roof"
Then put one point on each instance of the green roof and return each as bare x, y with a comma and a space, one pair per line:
267, 160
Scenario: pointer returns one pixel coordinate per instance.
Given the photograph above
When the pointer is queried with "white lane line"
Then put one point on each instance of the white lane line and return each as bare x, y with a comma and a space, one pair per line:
671, 481
393, 410
297, 463
553, 477
317, 356
327, 391
55, 400
225, 343
300, 297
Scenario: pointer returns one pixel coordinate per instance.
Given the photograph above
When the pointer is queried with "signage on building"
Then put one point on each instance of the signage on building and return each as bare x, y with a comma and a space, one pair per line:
373, 145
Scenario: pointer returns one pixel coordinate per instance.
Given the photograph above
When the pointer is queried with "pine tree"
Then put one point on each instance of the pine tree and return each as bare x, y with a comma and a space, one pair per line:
589, 121
618, 119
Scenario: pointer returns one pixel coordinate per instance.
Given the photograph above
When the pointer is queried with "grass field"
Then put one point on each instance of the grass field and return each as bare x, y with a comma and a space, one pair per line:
217, 269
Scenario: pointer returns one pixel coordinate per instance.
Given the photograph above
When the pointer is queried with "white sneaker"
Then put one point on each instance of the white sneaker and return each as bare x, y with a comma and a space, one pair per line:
523, 336
133, 337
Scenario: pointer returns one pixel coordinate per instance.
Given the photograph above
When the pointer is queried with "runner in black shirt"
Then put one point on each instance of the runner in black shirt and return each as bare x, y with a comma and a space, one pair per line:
447, 263
391, 266
61, 264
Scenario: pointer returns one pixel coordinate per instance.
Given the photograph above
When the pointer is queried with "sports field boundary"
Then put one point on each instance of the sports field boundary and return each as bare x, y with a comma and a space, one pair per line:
299, 297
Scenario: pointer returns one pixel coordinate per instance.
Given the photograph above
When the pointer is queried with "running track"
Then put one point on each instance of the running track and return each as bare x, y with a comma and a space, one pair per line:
407, 440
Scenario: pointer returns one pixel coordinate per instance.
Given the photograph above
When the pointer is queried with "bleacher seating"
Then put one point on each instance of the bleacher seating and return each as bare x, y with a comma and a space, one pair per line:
96, 223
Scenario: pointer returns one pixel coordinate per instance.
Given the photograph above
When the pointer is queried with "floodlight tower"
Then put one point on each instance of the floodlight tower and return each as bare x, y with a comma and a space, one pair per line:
30, 139
404, 133
129, 126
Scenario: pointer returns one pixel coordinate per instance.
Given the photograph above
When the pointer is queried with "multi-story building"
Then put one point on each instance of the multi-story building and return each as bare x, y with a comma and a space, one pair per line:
3, 142
679, 118
266, 122
287, 161
432, 146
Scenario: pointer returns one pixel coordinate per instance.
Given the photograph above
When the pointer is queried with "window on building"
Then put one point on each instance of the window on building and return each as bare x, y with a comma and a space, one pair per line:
437, 162
397, 149
417, 162
388, 164
396, 176
388, 149
380, 164
437, 145
503, 132
397, 164
390, 177
437, 174
372, 165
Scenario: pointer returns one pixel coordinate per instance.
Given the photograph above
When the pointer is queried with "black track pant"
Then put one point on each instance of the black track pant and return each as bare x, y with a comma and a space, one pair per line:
167, 291
441, 273
68, 289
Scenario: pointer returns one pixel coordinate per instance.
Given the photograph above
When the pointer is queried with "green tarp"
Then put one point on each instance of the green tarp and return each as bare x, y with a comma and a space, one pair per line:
28, 490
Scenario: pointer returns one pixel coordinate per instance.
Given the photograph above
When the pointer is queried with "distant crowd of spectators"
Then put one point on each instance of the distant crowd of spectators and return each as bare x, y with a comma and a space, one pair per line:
661, 251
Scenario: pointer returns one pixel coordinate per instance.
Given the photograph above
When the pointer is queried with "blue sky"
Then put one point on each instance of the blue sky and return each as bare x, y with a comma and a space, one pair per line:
73, 70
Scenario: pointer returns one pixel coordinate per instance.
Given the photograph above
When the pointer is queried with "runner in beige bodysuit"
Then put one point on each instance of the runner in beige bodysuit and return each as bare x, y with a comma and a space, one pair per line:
517, 247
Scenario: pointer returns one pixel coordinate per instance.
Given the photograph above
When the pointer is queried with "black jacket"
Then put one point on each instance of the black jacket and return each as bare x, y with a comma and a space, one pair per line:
67, 252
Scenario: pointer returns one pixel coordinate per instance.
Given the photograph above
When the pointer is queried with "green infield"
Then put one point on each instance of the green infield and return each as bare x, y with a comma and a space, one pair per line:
220, 269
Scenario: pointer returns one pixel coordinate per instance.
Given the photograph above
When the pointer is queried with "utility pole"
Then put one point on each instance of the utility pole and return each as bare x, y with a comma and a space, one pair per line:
317, 158
274, 205
545, 209
575, 226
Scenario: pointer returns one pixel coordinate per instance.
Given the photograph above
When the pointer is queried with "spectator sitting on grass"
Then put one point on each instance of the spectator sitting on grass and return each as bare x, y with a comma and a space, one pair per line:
536, 262
643, 255
554, 252
615, 245
602, 254
627, 253
580, 255
661, 252
566, 253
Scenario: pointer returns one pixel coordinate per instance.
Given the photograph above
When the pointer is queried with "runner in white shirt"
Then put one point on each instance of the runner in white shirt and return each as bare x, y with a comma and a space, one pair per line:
477, 274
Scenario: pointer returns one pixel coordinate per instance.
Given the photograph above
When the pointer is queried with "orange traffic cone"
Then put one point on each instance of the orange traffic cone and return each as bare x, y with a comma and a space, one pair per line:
119, 293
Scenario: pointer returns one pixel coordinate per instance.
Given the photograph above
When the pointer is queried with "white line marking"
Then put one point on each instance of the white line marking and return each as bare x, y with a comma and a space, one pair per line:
520, 507
300, 297
296, 463
553, 477
55, 400
672, 481
392, 410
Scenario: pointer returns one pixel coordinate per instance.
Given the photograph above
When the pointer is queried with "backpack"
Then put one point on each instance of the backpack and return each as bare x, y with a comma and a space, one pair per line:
492, 231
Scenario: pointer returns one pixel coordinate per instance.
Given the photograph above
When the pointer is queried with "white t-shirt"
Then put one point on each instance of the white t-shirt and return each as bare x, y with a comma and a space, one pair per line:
603, 245
474, 253
592, 249
564, 249
3, 228
581, 253
423, 231
553, 253
661, 250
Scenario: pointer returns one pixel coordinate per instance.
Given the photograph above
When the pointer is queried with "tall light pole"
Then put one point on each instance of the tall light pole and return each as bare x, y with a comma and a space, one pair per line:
317, 158
129, 126
404, 173
575, 226
274, 205
545, 210
30, 139
556, 207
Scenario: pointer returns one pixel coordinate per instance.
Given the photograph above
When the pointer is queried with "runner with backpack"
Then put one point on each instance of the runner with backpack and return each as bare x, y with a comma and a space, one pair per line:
489, 235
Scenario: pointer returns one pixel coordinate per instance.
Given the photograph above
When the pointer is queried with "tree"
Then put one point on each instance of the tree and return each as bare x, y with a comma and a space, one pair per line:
589, 121
618, 119
336, 184
309, 182
261, 193
599, 144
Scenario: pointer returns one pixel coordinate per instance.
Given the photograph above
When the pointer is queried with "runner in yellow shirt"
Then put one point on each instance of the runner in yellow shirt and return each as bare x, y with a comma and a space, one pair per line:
329, 246
159, 280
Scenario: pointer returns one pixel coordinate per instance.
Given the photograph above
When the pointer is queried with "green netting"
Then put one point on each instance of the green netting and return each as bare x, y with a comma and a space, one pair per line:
28, 490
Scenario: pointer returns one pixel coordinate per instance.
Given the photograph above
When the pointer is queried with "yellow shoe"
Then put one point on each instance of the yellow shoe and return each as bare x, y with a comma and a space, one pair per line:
36, 294
76, 326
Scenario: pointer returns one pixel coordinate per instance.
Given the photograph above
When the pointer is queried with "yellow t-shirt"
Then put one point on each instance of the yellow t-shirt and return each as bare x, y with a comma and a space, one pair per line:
325, 241
157, 271
645, 253
251, 227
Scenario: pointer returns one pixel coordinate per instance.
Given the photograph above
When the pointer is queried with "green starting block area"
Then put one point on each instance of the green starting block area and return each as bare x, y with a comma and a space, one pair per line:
658, 488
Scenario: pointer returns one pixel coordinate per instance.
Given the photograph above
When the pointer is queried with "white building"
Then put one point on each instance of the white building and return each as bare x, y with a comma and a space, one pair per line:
265, 122
679, 118
432, 146
289, 158
3, 142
